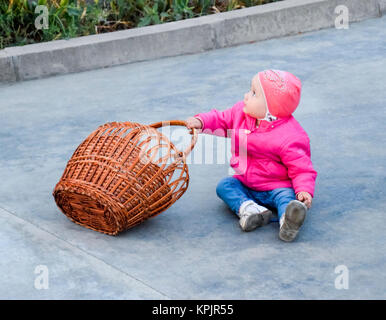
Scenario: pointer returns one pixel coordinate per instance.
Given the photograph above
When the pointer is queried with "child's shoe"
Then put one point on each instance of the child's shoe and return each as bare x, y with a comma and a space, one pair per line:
292, 220
253, 215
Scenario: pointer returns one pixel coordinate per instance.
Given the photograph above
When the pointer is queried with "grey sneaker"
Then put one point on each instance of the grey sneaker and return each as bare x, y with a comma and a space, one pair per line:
292, 220
253, 215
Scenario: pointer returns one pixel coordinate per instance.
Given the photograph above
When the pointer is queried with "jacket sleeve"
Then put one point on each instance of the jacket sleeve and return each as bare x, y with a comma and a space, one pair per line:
296, 156
217, 122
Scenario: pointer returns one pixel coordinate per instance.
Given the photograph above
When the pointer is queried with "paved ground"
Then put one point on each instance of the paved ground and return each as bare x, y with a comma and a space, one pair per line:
195, 250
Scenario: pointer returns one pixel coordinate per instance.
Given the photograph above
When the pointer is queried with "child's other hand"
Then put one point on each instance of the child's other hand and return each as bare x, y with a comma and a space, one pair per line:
193, 122
305, 197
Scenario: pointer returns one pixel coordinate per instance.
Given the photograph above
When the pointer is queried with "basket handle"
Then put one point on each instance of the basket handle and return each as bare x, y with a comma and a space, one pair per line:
179, 123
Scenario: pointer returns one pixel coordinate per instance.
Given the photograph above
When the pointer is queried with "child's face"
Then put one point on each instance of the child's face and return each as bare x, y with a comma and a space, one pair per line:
254, 100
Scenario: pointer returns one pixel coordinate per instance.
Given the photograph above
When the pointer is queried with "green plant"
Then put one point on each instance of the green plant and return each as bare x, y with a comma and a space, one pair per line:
151, 16
73, 18
182, 10
204, 6
66, 19
233, 5
14, 15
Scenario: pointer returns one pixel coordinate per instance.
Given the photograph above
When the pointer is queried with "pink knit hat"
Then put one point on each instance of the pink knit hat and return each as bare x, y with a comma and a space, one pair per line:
281, 90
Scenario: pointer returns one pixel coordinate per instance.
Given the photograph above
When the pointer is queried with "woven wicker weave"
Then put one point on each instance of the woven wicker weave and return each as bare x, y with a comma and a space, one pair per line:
121, 175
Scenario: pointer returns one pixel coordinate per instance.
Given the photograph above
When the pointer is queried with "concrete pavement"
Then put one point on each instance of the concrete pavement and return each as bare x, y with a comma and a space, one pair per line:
196, 250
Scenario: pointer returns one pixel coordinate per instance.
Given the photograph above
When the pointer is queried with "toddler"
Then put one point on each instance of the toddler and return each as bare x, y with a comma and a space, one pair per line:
275, 150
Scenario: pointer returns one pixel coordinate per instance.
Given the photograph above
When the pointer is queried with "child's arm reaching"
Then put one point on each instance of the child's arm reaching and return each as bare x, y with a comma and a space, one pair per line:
193, 122
213, 122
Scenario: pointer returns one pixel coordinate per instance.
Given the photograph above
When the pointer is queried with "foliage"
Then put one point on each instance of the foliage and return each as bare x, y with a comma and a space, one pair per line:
73, 18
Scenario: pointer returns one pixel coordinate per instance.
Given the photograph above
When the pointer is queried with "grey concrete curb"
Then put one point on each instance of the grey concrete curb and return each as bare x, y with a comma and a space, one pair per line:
176, 38
382, 6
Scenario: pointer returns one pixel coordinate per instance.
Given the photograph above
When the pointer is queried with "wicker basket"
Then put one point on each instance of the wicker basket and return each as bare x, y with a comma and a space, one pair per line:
117, 177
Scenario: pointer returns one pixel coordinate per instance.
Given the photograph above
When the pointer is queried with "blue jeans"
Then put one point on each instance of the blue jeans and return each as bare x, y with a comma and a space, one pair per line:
233, 192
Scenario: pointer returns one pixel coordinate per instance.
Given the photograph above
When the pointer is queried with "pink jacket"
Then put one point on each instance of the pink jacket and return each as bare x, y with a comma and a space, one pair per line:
274, 155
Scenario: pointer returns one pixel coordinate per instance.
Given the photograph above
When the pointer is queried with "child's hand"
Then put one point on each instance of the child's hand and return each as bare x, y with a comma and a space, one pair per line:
193, 122
305, 197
